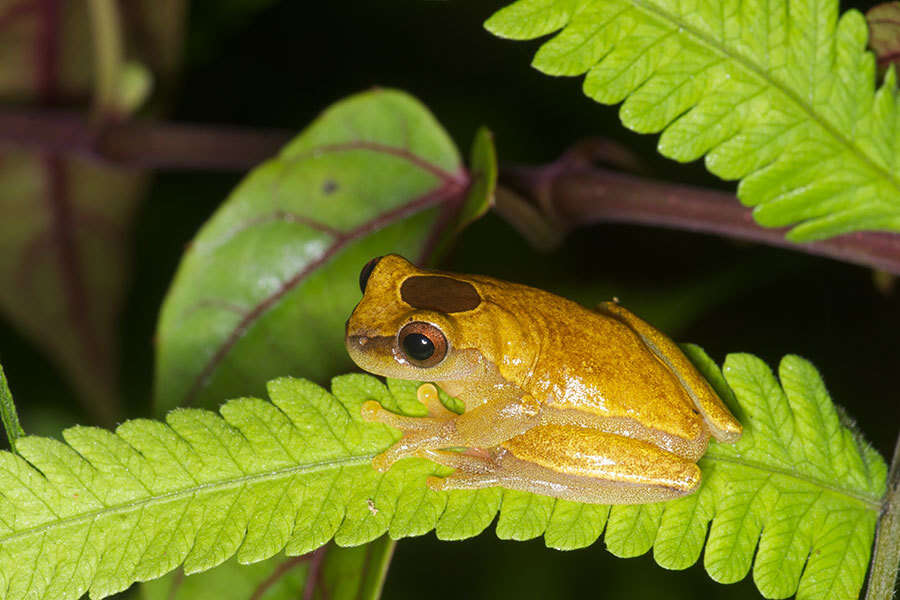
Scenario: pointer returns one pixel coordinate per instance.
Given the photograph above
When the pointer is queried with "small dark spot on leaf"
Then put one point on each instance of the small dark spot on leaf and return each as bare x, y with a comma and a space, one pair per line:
329, 187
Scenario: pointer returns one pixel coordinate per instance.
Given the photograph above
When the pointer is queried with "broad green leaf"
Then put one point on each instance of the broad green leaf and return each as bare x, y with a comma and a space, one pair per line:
778, 94
269, 281
797, 498
329, 573
64, 238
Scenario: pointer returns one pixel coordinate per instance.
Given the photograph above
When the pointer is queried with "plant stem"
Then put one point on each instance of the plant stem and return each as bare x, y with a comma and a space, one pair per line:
107, 36
551, 199
572, 192
886, 558
142, 144
8, 413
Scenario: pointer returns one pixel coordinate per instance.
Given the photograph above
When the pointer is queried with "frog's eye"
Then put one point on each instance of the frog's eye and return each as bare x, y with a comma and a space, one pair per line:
366, 272
423, 344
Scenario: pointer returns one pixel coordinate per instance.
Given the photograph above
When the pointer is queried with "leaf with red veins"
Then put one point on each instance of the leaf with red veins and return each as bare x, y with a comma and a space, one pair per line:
65, 222
266, 286
884, 33
63, 262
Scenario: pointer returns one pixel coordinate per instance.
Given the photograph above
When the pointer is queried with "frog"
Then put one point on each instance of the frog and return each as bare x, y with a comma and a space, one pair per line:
589, 405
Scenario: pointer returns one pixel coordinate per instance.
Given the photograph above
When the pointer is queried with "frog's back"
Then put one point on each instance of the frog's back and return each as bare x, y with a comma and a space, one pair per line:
594, 363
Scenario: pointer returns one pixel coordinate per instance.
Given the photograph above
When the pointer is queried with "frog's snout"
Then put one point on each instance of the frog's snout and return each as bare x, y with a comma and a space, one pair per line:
357, 341
368, 351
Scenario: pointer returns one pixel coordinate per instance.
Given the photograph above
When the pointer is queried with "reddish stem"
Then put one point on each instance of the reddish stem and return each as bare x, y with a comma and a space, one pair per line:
143, 144
571, 192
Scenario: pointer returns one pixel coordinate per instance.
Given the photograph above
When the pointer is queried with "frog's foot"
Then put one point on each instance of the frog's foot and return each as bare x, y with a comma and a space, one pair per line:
434, 431
475, 469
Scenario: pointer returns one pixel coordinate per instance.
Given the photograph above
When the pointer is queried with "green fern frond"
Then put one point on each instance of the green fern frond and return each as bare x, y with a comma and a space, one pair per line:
105, 509
779, 94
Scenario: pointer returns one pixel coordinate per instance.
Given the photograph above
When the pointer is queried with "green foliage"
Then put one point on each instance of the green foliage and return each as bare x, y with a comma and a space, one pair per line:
329, 573
374, 174
104, 509
780, 95
8, 414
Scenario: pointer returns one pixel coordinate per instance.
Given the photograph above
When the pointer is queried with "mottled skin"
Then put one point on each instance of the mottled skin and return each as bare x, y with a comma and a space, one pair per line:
588, 405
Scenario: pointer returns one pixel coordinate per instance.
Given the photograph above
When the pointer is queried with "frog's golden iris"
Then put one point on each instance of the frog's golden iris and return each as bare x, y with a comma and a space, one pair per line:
422, 343
619, 418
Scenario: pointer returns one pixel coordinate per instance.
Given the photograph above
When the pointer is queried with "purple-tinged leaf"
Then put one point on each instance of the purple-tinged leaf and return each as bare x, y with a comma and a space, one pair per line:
884, 33
65, 222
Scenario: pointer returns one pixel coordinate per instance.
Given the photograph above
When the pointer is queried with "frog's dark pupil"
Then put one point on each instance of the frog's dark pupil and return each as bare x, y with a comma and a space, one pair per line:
366, 271
418, 346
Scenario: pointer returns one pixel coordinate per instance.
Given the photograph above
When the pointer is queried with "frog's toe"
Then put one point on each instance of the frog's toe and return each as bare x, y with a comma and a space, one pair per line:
386, 459
382, 462
428, 395
372, 411
474, 470
470, 461
435, 483
461, 480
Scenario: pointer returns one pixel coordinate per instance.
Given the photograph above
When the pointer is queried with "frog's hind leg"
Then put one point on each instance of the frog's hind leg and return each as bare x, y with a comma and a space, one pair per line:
722, 424
575, 463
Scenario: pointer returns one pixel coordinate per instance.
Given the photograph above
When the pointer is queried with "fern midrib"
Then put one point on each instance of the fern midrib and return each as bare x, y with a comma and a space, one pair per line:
220, 485
870, 501
755, 69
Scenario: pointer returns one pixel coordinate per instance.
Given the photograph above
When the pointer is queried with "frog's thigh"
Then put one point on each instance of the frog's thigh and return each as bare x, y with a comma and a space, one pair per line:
722, 424
579, 464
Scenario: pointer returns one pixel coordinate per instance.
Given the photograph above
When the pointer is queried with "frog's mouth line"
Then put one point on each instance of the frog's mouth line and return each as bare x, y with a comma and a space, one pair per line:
364, 350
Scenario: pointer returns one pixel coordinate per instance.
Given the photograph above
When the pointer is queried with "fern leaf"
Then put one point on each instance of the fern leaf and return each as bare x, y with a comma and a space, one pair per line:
779, 94
104, 509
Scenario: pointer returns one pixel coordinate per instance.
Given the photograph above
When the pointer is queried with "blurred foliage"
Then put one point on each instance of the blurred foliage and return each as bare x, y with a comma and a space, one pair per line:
339, 574
884, 34
65, 235
279, 63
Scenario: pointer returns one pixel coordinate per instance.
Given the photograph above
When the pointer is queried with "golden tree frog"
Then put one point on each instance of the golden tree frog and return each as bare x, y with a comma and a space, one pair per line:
588, 405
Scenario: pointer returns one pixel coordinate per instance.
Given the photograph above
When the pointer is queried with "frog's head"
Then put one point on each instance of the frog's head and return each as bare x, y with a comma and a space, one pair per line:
426, 325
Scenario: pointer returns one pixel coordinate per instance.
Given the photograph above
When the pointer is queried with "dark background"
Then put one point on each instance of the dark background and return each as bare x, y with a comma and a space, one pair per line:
278, 64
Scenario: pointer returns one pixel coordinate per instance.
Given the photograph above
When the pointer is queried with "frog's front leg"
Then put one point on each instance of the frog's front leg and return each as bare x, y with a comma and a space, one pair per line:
482, 427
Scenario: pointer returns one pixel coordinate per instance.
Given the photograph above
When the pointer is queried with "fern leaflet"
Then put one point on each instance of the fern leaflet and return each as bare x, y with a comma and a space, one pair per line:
103, 509
779, 94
